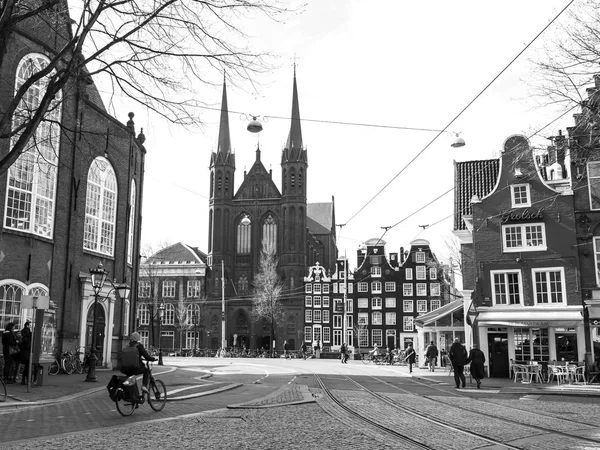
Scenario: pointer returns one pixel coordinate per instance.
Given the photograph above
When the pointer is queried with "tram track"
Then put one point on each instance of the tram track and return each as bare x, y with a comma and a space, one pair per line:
449, 419
435, 427
526, 417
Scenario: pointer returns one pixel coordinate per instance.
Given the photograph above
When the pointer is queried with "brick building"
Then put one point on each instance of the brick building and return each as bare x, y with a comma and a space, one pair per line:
172, 285
72, 200
517, 228
240, 221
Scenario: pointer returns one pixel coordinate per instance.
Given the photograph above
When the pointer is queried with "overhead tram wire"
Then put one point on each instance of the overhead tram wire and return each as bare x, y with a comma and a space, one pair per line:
473, 174
445, 129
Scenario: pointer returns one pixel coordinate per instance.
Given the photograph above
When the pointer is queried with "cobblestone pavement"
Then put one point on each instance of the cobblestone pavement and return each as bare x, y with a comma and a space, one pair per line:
275, 409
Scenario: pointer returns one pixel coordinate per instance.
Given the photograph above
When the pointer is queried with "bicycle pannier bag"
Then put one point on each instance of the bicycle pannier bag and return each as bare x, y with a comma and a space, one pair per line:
130, 359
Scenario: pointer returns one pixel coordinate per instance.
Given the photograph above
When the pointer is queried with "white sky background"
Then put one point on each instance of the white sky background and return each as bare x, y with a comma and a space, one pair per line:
398, 63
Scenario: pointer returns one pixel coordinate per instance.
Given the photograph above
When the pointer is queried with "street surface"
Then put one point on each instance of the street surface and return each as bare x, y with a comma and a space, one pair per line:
281, 405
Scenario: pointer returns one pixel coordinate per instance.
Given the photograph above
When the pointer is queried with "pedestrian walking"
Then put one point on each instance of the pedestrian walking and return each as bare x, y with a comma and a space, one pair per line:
343, 352
431, 353
477, 360
9, 350
458, 357
303, 350
410, 357
25, 350
285, 350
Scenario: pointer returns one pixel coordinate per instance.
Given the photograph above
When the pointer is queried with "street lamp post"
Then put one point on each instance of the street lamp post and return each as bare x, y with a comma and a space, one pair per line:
98, 279
161, 313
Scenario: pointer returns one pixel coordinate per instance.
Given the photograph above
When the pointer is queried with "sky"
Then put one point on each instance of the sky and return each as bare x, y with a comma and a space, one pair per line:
389, 63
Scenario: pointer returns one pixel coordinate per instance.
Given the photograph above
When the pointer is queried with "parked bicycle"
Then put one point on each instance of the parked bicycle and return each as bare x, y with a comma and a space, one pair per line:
128, 398
377, 359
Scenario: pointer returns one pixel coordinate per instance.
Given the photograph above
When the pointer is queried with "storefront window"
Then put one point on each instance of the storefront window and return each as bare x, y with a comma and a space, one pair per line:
531, 344
566, 346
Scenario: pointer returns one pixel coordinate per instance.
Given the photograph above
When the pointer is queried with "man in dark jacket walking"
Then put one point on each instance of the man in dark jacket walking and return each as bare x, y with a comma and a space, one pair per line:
458, 357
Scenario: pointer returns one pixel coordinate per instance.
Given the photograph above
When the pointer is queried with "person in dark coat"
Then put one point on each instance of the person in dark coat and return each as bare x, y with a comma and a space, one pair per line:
410, 357
25, 350
134, 341
458, 356
477, 360
8, 339
343, 352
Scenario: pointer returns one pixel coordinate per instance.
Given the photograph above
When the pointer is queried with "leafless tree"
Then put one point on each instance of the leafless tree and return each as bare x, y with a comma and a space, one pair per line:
156, 53
567, 65
268, 287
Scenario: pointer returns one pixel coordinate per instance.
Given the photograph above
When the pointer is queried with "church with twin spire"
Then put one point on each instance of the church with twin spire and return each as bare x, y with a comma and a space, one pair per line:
258, 211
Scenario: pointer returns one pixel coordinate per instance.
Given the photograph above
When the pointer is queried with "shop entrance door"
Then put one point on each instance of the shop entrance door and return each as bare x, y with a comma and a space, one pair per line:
498, 355
100, 327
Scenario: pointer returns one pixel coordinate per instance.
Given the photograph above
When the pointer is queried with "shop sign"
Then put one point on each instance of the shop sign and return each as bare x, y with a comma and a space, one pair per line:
530, 323
523, 215
595, 322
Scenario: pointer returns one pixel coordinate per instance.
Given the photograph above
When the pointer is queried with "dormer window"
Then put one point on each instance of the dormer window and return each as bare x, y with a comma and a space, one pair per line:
420, 257
520, 195
375, 271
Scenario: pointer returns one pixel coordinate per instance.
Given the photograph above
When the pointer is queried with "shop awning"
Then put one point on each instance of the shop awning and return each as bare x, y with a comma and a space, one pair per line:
531, 317
436, 314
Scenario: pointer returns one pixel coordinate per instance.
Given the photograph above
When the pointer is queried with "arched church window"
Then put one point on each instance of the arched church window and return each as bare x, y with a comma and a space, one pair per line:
292, 179
244, 238
219, 180
300, 176
270, 231
100, 207
243, 283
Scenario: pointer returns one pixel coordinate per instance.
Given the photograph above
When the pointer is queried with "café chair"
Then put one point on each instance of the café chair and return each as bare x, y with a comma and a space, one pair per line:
558, 373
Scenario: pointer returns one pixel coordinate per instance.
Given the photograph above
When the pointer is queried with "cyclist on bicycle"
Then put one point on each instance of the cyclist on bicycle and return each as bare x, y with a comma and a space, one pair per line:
375, 351
134, 341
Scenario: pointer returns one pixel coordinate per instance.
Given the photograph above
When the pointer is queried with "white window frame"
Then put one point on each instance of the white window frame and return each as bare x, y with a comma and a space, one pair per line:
504, 282
326, 315
326, 289
316, 301
363, 318
435, 304
308, 301
376, 318
421, 272
376, 287
432, 273
548, 270
408, 306
130, 233
363, 303
434, 289
517, 188
308, 288
363, 286
337, 321
390, 318
144, 290
363, 337
407, 289
408, 273
523, 229
168, 289
194, 288
169, 314
390, 286
420, 257
101, 207
376, 271
143, 314
32, 178
317, 289
308, 315
144, 334
421, 306
316, 316
349, 305
326, 334
408, 323
308, 334
593, 172
325, 301
390, 302
421, 289
376, 303
337, 337
377, 336
597, 256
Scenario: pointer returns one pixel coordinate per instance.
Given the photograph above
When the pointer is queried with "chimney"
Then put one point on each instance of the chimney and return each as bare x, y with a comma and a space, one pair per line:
361, 254
401, 255
394, 260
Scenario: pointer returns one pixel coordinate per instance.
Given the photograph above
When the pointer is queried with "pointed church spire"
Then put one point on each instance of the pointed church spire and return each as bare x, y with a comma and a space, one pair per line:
224, 144
295, 136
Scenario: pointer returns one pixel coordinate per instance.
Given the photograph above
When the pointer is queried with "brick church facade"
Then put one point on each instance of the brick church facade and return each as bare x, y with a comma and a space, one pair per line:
240, 221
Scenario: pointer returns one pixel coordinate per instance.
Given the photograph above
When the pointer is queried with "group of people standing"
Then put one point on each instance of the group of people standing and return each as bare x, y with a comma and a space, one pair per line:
16, 347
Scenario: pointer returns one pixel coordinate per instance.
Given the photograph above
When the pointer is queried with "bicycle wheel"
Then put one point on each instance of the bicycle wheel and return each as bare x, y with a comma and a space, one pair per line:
125, 407
2, 390
77, 366
54, 368
366, 359
67, 365
157, 395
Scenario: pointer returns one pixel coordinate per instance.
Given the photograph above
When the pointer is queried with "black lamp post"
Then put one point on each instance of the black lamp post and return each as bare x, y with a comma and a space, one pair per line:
161, 313
98, 279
